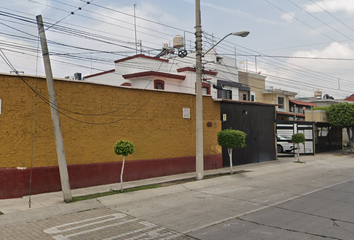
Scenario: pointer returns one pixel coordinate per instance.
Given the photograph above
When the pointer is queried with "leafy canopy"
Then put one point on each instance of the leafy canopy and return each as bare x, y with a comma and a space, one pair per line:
231, 138
325, 108
124, 148
298, 138
341, 115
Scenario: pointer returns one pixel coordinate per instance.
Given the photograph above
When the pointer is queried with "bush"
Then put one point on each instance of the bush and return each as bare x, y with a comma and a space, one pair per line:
231, 138
124, 148
298, 138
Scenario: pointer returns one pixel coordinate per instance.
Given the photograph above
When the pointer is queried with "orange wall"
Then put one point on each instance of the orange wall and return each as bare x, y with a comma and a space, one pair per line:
152, 120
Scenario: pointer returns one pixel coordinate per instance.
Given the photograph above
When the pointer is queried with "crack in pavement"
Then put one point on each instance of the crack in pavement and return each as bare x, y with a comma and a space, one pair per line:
290, 230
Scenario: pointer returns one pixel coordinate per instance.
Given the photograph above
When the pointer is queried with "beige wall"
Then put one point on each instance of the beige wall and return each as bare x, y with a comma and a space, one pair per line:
255, 82
316, 116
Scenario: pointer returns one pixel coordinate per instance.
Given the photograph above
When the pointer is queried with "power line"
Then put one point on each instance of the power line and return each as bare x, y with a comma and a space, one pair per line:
319, 20
306, 24
333, 16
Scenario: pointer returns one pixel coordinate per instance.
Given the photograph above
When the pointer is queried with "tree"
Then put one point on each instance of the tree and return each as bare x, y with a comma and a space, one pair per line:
298, 138
124, 148
342, 115
230, 139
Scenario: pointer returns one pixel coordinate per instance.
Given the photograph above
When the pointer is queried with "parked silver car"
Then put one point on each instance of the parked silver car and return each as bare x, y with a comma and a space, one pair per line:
284, 144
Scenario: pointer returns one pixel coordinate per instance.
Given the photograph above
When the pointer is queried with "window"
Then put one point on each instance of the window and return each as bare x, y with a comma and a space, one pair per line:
252, 98
205, 91
226, 94
281, 101
244, 97
159, 84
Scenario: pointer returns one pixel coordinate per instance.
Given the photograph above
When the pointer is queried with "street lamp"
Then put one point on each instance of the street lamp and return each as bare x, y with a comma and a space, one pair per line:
199, 94
239, 34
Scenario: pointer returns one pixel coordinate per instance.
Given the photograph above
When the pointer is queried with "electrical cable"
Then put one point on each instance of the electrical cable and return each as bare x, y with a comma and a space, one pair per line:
308, 25
320, 20
91, 59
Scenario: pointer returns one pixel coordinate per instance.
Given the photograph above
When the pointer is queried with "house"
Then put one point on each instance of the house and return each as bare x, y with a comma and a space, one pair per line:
256, 83
280, 97
170, 73
298, 108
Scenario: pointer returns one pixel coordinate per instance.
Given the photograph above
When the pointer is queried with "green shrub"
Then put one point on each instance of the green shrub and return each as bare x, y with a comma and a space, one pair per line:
231, 138
298, 138
325, 108
124, 148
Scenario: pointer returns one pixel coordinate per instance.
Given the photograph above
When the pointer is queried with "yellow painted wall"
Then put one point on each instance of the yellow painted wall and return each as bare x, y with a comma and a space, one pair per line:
152, 120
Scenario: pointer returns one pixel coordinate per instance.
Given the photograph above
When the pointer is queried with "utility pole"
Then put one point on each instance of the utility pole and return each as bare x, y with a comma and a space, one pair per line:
63, 169
199, 97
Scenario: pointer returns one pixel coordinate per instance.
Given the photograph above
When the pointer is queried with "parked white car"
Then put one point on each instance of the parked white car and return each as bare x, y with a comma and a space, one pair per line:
284, 145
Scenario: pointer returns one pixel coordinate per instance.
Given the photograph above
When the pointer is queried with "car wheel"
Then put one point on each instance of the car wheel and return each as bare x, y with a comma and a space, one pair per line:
279, 148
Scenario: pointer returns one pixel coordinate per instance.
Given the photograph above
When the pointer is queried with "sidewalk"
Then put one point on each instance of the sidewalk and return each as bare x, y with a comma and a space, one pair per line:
184, 208
56, 198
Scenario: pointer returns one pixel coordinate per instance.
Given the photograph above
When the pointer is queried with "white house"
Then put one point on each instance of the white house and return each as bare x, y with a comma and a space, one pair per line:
175, 74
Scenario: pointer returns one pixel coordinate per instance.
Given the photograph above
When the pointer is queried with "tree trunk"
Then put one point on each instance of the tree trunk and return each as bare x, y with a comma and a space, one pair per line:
350, 140
298, 152
230, 156
121, 175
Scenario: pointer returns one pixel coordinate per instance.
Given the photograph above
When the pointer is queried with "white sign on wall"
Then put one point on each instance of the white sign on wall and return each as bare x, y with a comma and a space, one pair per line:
186, 113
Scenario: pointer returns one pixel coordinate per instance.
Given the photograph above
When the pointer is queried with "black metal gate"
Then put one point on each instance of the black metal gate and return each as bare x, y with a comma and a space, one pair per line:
285, 130
327, 137
258, 122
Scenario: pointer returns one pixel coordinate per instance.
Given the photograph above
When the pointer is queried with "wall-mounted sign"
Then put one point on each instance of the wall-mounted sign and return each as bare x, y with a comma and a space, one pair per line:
186, 113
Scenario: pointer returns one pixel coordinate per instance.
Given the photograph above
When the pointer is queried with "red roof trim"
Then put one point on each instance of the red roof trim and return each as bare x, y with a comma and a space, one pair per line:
303, 103
140, 56
153, 74
101, 73
190, 69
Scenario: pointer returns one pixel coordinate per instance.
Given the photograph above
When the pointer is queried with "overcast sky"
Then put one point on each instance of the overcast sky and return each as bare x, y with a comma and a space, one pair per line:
300, 45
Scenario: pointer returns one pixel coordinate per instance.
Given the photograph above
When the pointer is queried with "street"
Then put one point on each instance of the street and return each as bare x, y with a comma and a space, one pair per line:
326, 214
271, 200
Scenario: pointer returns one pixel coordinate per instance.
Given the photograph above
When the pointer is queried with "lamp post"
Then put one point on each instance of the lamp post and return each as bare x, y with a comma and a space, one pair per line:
199, 94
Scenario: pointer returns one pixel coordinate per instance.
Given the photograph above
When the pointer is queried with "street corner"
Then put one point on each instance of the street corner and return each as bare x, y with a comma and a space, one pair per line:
100, 223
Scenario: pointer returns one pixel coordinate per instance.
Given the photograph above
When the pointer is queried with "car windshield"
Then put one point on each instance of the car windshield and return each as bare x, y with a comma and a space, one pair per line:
283, 137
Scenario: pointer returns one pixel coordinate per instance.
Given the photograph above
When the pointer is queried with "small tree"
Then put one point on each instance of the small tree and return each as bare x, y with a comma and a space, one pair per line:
124, 148
230, 139
342, 115
298, 138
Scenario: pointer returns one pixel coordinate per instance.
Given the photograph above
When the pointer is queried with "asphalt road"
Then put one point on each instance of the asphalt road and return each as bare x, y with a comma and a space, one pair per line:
324, 214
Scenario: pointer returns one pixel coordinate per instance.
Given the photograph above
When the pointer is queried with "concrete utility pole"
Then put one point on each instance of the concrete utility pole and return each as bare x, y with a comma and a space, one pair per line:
63, 169
199, 97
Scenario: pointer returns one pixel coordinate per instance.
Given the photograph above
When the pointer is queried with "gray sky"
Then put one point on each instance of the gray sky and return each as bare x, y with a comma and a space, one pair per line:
300, 45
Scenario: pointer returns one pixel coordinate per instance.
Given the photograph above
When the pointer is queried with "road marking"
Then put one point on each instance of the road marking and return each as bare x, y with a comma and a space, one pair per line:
61, 232
110, 217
